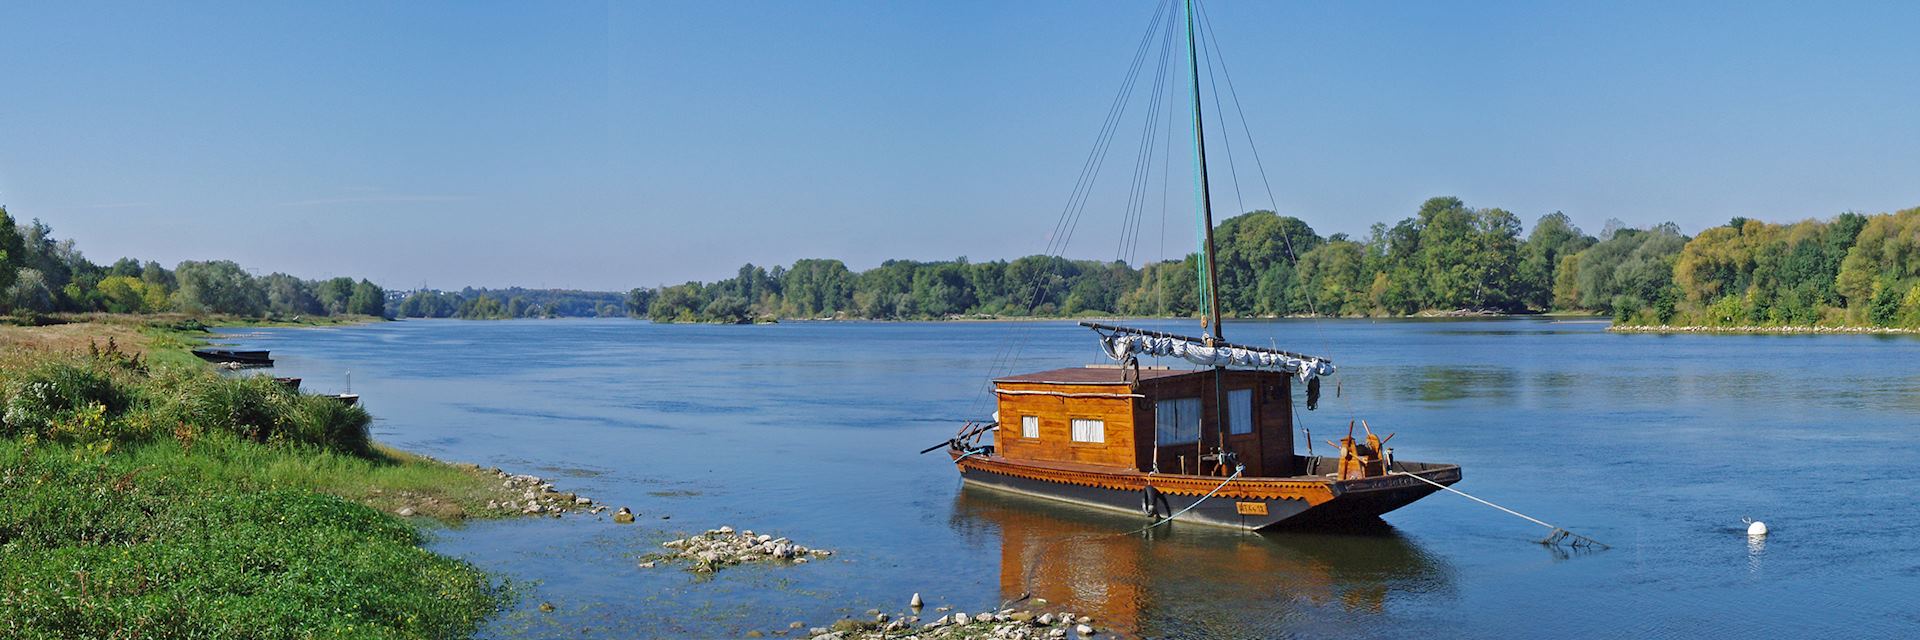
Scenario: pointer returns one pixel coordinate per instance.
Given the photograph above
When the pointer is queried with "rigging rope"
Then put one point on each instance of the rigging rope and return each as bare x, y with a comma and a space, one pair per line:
1068, 220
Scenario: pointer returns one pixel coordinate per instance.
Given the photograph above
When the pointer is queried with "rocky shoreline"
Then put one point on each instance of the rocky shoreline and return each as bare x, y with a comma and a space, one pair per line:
537, 497
721, 548
1757, 330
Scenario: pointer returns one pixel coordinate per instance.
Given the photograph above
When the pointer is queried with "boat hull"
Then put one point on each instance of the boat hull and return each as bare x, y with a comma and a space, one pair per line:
230, 356
1249, 504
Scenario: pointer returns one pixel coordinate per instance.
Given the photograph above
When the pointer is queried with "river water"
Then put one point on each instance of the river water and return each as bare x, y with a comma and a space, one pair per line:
1657, 445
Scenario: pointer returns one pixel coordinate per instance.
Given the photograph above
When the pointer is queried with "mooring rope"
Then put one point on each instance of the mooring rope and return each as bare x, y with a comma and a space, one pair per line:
1553, 537
1237, 469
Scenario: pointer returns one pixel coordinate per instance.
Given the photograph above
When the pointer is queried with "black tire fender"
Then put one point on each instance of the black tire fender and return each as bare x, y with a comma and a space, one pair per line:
1150, 501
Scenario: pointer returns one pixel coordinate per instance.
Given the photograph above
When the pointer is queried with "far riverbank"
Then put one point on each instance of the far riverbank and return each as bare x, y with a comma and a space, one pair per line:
1763, 330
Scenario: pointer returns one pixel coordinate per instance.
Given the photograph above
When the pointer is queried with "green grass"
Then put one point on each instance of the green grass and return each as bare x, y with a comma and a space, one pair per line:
145, 498
223, 540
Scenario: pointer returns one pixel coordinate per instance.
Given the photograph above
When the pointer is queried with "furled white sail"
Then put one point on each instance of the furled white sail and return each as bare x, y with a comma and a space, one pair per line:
1120, 346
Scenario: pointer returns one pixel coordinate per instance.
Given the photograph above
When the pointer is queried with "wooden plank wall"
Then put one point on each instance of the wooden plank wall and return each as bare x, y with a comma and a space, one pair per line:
1056, 427
1267, 452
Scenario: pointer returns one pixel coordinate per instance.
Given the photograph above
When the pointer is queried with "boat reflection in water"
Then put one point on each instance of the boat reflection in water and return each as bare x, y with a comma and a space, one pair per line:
1186, 581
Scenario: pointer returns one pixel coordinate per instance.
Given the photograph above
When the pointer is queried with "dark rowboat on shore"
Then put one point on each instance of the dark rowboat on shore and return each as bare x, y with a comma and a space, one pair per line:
1212, 445
234, 356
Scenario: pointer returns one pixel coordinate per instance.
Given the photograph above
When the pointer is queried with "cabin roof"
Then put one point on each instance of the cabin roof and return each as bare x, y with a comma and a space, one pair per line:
1091, 375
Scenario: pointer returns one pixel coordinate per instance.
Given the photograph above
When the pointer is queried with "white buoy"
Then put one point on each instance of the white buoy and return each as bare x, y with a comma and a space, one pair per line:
1756, 527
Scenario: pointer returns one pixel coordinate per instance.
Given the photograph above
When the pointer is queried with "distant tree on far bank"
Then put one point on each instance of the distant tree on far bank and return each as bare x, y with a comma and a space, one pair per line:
1448, 256
42, 274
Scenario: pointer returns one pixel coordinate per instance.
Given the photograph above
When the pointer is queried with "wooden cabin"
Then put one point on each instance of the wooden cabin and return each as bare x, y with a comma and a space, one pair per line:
1149, 419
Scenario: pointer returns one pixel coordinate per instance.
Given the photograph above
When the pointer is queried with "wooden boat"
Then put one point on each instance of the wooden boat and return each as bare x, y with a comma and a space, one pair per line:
1212, 445
1154, 441
232, 356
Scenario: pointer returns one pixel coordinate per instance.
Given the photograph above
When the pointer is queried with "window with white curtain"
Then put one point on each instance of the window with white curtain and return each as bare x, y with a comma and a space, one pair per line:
1176, 421
1239, 411
1087, 430
1029, 426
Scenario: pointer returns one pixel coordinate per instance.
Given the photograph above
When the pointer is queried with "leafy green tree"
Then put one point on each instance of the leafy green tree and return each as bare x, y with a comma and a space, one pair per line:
817, 288
637, 301
1248, 246
290, 296
30, 292
1334, 281
678, 303
1554, 237
1887, 249
12, 251
157, 276
335, 294
367, 299
1631, 273
219, 286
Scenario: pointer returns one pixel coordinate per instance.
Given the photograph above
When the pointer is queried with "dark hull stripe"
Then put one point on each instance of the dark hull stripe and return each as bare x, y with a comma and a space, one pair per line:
1346, 506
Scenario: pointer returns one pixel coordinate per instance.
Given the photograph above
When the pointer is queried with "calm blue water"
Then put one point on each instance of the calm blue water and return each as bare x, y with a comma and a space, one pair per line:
1658, 445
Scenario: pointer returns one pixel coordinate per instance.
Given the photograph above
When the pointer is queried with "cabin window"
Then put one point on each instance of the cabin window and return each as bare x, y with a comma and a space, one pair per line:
1176, 421
1029, 426
1085, 430
1239, 411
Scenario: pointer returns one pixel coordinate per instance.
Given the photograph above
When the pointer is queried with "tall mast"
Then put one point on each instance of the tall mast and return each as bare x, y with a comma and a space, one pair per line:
1209, 275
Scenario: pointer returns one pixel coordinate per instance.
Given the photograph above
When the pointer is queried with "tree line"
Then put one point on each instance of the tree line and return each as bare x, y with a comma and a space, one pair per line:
1447, 257
40, 274
514, 302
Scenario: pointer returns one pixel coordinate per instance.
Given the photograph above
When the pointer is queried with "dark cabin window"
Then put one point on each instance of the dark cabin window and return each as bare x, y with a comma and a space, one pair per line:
1176, 421
1239, 411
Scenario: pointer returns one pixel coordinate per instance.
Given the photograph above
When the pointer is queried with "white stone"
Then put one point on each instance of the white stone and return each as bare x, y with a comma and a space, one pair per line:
960, 618
1046, 619
1083, 630
916, 602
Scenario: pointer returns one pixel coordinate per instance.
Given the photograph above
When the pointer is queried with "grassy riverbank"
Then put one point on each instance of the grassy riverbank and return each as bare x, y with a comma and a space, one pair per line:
144, 496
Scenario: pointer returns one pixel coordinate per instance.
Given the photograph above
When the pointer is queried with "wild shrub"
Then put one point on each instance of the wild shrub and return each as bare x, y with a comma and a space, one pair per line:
69, 399
332, 424
104, 399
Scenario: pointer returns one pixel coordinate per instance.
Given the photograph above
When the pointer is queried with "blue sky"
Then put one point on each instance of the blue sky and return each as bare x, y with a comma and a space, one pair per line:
616, 145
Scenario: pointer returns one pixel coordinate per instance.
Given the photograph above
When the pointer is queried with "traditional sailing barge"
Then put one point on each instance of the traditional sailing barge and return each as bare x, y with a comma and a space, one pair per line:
1212, 445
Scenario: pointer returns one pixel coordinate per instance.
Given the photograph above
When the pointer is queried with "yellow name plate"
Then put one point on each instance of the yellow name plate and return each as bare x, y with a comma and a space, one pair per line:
1251, 508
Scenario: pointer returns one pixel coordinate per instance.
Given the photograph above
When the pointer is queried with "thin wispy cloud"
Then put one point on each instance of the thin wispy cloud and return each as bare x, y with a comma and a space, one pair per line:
372, 199
116, 205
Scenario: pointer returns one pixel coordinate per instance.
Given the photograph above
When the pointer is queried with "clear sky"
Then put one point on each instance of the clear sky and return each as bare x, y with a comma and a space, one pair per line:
608, 146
